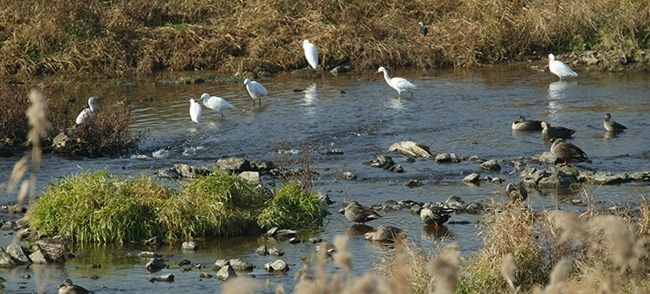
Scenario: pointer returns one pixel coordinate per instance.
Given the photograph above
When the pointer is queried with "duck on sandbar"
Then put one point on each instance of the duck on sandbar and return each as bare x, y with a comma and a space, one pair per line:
567, 152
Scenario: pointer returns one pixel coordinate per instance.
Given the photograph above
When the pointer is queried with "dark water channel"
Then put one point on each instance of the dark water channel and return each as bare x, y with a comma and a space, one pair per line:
454, 111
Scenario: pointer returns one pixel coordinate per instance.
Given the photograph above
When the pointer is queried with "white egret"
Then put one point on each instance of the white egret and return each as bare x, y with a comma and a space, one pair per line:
216, 103
195, 111
86, 112
399, 84
256, 90
310, 53
560, 68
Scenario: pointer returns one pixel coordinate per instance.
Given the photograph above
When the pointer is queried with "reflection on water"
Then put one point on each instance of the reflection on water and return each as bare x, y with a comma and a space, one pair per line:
464, 112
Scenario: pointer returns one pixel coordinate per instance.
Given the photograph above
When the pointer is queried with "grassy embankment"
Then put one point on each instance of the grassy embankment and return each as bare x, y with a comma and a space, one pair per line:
116, 38
126, 38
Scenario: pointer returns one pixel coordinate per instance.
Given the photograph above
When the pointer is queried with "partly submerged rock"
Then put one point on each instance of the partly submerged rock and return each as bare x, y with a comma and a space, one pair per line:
226, 273
411, 148
276, 266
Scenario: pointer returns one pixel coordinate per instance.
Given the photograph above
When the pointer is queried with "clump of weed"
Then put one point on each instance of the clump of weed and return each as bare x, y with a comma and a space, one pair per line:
292, 207
93, 206
98, 207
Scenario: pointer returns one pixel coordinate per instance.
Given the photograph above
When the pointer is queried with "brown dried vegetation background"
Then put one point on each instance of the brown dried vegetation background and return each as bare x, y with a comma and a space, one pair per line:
115, 38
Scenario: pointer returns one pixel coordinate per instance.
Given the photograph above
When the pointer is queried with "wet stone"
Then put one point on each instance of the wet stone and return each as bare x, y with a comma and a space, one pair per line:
413, 183
411, 148
252, 177
262, 250
17, 253
275, 251
226, 273
5, 259
165, 278
491, 164
38, 257
276, 266
346, 175
155, 264
472, 178
241, 265
454, 202
189, 245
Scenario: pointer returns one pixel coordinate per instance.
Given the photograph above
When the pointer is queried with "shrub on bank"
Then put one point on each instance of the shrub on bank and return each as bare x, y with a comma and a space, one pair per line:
105, 133
94, 206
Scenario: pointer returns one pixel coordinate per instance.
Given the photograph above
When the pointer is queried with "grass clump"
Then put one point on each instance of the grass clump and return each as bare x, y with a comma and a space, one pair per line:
93, 206
291, 207
97, 207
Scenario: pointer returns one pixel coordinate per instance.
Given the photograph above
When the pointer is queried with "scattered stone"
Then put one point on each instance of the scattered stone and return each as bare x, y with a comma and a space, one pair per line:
189, 245
324, 198
415, 209
154, 241
315, 240
25, 276
390, 205
334, 152
155, 264
18, 254
346, 175
474, 158
5, 259
472, 178
447, 158
516, 192
396, 169
491, 164
54, 248
205, 276
226, 273
474, 207
294, 240
188, 171
411, 148
165, 278
601, 178
38, 257
272, 231
252, 177
262, 250
454, 202
220, 263
168, 173
241, 265
184, 262
95, 265
382, 161
275, 251
263, 166
276, 266
285, 233
413, 183
233, 164
497, 180
148, 254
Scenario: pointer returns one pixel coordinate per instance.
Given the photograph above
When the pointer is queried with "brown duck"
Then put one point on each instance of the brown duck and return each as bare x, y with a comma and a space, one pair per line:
360, 214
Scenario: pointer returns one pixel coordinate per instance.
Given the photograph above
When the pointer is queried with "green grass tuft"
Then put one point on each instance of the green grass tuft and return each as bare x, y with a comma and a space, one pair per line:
291, 207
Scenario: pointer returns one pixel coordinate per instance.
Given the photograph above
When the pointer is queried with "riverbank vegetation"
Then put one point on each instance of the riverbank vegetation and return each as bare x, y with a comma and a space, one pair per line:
118, 38
105, 133
93, 206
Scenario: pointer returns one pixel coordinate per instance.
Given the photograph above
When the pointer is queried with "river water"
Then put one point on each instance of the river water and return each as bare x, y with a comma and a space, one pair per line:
467, 112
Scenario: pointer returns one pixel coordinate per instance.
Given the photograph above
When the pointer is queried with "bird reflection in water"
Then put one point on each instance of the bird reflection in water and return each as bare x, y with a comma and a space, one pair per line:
434, 233
358, 230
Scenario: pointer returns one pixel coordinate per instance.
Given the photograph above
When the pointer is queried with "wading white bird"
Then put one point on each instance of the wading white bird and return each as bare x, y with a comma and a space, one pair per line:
216, 103
310, 53
256, 90
86, 112
195, 111
560, 68
399, 84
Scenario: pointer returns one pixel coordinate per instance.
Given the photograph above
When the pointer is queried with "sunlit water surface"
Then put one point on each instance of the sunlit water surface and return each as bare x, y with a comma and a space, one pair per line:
462, 112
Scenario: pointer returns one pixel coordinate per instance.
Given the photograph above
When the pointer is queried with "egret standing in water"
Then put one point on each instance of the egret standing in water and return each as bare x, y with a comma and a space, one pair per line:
256, 90
399, 84
216, 103
195, 111
560, 68
86, 112
310, 53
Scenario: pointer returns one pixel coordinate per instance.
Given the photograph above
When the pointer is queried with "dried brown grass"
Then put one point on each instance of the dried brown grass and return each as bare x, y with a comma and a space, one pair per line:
115, 38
